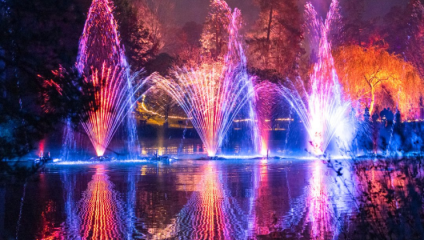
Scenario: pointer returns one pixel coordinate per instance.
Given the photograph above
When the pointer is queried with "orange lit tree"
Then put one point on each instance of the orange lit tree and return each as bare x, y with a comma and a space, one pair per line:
215, 29
375, 77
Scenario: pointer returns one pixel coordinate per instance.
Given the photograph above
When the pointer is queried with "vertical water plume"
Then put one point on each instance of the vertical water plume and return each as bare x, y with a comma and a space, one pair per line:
236, 63
99, 43
101, 60
322, 110
266, 96
69, 143
214, 93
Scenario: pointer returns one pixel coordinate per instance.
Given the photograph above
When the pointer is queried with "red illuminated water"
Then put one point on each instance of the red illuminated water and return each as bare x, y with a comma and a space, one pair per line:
234, 199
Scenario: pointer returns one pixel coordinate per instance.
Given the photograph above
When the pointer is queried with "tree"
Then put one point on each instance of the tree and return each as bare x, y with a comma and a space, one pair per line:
35, 37
354, 30
275, 41
377, 78
187, 49
141, 31
415, 41
215, 29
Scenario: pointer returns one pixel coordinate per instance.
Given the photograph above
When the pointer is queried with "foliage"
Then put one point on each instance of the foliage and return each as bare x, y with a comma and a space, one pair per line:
215, 34
377, 78
188, 46
415, 40
35, 37
275, 41
140, 29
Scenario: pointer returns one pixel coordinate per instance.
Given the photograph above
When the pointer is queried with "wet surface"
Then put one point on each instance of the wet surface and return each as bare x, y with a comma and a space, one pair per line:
185, 199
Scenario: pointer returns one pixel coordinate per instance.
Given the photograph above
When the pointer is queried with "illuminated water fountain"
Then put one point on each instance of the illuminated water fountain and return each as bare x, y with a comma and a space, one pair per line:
101, 61
214, 93
266, 96
322, 110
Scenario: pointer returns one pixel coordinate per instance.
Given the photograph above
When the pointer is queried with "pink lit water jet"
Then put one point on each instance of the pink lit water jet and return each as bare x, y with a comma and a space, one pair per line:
101, 61
266, 96
214, 93
322, 110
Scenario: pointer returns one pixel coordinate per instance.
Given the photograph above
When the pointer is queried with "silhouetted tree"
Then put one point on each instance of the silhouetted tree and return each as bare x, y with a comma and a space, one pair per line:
35, 38
140, 31
274, 44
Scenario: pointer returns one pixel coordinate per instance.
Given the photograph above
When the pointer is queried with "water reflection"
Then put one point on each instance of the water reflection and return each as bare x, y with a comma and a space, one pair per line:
185, 199
101, 209
319, 212
264, 218
209, 214
96, 212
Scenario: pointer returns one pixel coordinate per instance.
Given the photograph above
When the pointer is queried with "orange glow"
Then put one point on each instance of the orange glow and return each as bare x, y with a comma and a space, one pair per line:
264, 147
210, 216
100, 212
377, 79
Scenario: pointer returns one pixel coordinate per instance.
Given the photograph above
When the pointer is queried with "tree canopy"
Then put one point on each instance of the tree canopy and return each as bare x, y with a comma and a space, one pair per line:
378, 79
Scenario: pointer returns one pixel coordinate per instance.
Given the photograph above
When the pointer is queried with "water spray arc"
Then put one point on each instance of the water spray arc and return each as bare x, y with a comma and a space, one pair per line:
214, 93
266, 97
101, 61
322, 111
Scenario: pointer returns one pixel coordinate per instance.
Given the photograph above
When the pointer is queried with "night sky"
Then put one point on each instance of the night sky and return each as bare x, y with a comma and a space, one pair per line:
196, 10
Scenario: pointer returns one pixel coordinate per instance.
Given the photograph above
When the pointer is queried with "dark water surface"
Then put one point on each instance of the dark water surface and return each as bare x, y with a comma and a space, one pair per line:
184, 199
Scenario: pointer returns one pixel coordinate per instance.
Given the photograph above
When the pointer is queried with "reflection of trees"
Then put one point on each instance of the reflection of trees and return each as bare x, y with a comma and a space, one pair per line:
389, 199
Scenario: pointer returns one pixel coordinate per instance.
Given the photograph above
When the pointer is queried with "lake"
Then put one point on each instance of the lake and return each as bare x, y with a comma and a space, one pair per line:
185, 199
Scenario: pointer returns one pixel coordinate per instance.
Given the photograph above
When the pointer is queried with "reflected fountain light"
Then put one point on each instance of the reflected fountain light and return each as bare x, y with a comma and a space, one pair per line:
101, 211
49, 228
261, 215
322, 208
319, 212
210, 212
48, 231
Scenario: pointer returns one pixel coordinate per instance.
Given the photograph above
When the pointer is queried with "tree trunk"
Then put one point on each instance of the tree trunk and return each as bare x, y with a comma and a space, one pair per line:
372, 100
217, 45
268, 36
